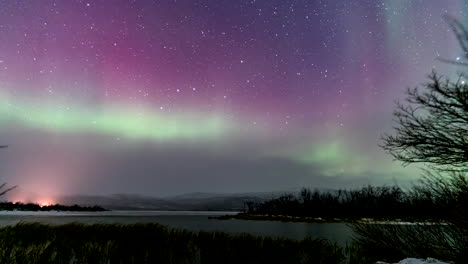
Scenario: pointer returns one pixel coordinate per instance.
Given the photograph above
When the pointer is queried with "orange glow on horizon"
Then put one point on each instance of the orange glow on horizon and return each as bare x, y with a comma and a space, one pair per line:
44, 203
41, 203
24, 196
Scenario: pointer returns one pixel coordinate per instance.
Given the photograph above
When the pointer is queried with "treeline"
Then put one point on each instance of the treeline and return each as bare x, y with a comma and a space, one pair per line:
56, 207
376, 202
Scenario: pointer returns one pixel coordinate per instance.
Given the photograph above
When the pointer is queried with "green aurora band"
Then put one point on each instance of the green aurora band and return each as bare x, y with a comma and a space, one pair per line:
146, 123
142, 123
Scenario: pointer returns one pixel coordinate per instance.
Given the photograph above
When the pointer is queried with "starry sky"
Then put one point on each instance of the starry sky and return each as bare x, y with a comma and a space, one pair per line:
162, 97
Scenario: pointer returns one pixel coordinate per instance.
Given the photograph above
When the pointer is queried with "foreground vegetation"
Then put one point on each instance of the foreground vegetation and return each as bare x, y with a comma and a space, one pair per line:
444, 242
153, 243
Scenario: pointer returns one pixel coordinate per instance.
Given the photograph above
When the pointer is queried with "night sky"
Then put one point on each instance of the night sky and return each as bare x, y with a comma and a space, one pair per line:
166, 97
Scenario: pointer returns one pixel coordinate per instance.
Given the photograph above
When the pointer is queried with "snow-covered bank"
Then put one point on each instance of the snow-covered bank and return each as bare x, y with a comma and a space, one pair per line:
417, 261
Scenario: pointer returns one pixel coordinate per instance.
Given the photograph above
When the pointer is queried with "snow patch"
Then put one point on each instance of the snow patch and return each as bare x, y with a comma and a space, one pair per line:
416, 261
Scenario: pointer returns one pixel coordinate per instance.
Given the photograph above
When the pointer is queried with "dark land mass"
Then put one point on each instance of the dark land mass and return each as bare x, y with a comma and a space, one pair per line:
381, 203
56, 207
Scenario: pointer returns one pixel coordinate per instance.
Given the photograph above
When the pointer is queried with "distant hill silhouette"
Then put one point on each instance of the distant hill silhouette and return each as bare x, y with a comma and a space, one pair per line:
186, 202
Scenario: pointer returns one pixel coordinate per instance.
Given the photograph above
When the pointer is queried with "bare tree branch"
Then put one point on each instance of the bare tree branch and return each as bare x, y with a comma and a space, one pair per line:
2, 186
432, 126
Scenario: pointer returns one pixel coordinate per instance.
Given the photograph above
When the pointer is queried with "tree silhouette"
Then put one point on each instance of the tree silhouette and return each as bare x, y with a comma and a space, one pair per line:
3, 187
433, 125
433, 129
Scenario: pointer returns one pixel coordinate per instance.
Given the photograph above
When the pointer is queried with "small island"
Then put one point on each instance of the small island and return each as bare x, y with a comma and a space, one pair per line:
9, 206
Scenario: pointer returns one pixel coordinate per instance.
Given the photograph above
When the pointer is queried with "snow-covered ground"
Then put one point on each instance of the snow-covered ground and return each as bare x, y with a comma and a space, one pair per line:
417, 261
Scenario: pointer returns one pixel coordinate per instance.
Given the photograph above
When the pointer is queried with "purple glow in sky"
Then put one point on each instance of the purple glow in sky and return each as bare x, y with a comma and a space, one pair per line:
166, 97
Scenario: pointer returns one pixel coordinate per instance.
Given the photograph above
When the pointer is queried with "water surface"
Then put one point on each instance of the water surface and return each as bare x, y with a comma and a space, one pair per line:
190, 220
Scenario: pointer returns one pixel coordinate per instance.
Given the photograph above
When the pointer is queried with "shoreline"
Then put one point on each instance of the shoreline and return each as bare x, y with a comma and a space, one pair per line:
306, 219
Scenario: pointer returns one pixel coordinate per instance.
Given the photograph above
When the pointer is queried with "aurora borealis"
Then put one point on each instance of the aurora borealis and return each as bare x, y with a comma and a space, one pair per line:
173, 96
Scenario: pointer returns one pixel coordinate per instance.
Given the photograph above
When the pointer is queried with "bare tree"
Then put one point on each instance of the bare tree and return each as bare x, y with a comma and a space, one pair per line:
3, 187
433, 126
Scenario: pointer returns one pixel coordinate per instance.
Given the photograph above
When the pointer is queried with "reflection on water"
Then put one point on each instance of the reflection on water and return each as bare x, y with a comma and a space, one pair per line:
194, 221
